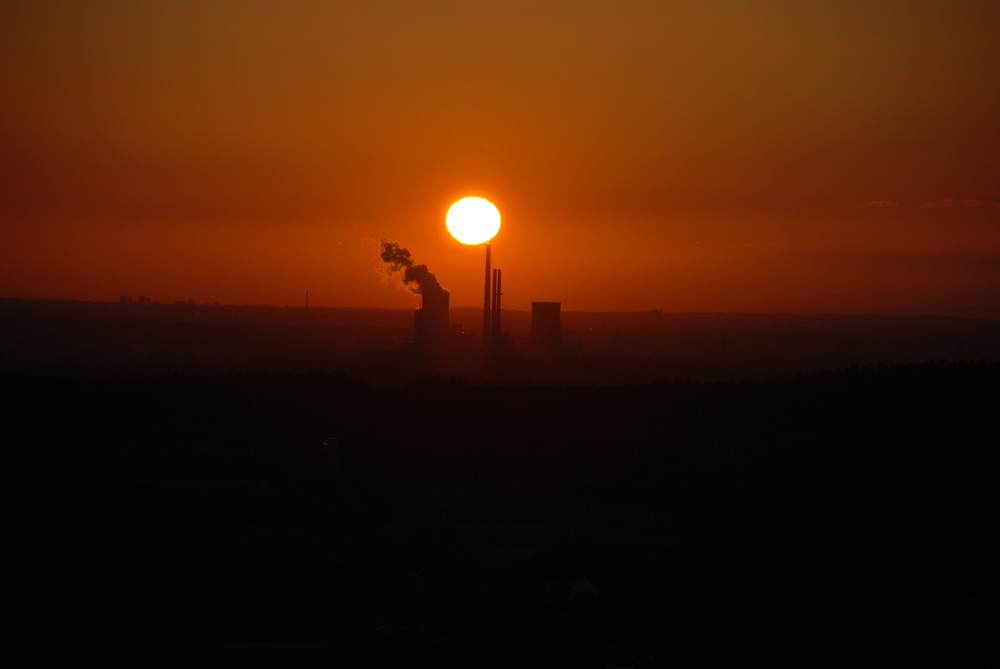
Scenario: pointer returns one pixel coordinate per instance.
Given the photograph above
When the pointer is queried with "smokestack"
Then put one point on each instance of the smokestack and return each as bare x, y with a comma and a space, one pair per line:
496, 303
546, 330
487, 298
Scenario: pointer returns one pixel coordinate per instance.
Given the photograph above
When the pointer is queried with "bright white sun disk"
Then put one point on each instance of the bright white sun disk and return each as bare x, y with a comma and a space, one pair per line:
473, 220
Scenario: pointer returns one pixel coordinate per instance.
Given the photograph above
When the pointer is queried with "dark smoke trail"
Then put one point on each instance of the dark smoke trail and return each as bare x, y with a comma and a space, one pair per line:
425, 280
399, 258
395, 255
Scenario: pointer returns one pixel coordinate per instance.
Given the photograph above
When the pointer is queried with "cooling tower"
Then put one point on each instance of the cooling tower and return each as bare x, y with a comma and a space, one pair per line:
546, 331
431, 321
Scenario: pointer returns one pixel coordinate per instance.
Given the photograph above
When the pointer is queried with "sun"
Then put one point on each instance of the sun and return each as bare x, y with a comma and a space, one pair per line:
473, 220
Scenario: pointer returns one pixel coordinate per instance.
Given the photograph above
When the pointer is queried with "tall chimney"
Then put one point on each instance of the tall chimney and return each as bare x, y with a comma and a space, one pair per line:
497, 292
487, 296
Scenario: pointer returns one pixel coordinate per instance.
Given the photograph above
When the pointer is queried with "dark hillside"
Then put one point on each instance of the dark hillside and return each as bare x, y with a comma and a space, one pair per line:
303, 520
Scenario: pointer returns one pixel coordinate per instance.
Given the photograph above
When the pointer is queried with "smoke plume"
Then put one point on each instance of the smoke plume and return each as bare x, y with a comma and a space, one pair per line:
418, 278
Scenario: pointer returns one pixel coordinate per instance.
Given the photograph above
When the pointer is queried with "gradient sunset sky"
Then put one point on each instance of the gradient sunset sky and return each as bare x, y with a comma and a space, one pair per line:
643, 153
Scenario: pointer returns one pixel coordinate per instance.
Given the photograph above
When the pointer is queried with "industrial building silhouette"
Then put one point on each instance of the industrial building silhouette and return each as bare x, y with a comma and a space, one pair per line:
433, 330
432, 322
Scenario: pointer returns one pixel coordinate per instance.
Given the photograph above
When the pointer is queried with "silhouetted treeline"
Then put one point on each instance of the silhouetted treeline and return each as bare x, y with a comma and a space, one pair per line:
844, 517
99, 339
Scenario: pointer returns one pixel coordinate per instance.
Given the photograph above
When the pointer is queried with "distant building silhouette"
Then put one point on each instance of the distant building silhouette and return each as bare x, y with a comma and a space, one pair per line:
124, 299
431, 323
144, 300
546, 329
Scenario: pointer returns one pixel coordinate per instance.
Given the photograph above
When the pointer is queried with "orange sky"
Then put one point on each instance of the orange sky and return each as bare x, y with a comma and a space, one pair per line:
643, 154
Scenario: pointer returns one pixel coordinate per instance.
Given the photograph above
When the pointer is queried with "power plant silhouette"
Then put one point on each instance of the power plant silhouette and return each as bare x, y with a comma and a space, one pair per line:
432, 327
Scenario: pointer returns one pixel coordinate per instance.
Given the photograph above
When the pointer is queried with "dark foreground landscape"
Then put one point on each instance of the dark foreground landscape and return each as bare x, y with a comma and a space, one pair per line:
843, 518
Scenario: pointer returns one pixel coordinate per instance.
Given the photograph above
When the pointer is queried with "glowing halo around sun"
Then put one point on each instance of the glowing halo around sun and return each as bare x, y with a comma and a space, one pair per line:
473, 220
